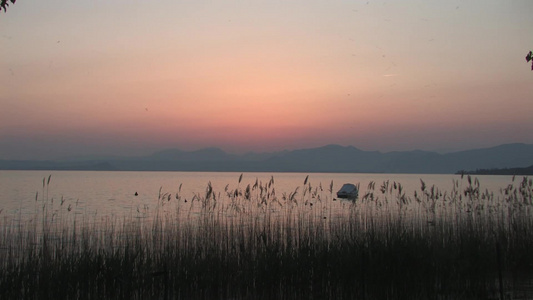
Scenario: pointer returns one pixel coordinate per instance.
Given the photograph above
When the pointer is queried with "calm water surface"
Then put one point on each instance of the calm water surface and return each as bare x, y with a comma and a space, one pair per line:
113, 193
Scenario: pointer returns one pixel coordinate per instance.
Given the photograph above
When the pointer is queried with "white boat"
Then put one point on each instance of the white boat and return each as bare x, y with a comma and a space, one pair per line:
348, 191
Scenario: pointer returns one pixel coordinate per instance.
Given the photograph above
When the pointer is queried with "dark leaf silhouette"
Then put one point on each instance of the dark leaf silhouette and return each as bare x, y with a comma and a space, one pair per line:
5, 3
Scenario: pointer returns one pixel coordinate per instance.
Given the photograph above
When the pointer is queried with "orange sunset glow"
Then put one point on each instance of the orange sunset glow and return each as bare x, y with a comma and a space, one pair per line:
130, 78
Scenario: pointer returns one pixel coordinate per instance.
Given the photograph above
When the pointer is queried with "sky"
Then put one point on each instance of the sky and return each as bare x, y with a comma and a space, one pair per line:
121, 77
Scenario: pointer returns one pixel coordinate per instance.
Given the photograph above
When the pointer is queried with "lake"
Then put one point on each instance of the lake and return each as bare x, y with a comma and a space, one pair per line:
113, 193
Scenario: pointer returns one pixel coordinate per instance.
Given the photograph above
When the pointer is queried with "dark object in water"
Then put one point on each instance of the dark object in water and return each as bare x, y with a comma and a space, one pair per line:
136, 194
348, 191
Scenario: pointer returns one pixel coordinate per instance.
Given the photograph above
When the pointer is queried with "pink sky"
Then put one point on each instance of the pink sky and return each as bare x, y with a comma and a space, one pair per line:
129, 78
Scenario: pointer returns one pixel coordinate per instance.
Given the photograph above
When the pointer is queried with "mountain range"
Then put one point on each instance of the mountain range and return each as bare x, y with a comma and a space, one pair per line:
330, 158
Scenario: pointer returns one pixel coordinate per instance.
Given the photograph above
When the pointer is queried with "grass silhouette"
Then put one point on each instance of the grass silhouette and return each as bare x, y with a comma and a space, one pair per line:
250, 243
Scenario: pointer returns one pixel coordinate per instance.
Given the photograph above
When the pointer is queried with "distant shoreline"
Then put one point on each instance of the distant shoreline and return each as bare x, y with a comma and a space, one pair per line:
505, 171
503, 159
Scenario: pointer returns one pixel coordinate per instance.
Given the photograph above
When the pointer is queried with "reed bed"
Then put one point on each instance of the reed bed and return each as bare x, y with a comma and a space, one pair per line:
248, 242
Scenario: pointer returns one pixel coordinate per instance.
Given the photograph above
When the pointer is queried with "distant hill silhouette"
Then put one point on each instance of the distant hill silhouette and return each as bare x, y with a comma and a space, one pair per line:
206, 154
329, 158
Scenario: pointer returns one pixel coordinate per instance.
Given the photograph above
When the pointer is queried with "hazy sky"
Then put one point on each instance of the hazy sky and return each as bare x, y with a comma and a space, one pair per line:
131, 77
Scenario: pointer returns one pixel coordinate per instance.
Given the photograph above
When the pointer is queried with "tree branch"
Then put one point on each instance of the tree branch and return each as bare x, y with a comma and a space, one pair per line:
5, 3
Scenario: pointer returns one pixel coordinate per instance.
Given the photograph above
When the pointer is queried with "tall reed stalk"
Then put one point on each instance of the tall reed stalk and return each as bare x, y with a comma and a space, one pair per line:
250, 243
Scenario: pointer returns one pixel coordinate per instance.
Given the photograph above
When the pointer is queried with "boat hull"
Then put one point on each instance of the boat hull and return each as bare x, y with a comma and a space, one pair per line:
348, 191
